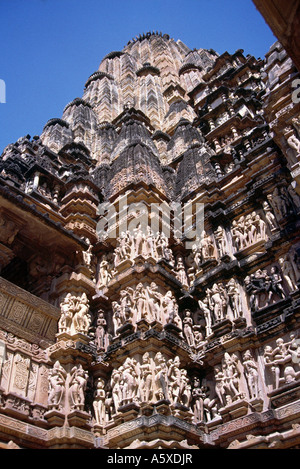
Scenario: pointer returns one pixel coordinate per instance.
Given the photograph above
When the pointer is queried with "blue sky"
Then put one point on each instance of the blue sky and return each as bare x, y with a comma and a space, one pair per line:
50, 47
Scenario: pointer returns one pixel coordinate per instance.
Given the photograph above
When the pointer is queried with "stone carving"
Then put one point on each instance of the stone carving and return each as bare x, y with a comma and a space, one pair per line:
204, 308
57, 386
270, 217
146, 379
282, 362
99, 402
188, 330
75, 316
129, 381
181, 273
251, 374
105, 272
248, 230
234, 298
288, 272
161, 378
228, 378
88, 255
263, 288
100, 332
294, 142
281, 202
144, 302
77, 387
115, 384
217, 302
204, 250
131, 245
221, 241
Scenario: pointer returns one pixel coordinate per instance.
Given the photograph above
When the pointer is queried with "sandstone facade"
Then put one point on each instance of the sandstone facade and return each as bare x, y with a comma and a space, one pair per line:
121, 329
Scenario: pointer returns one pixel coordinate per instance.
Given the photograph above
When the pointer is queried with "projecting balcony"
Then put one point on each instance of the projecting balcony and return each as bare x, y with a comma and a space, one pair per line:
27, 316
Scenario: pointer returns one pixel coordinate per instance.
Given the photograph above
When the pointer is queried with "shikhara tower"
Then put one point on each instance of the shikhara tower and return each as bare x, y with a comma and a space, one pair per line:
135, 340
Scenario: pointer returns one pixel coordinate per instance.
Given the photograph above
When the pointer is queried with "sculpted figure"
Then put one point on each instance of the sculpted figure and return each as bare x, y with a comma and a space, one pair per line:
238, 236
231, 378
99, 402
104, 272
181, 273
154, 298
186, 393
150, 244
146, 379
220, 238
198, 400
250, 229
277, 361
100, 331
87, 255
276, 284
188, 328
67, 308
288, 273
251, 374
234, 298
161, 377
261, 227
81, 319
174, 380
207, 247
115, 384
270, 217
118, 319
204, 307
129, 383
294, 143
220, 385
162, 244
169, 306
141, 303
217, 302
77, 387
57, 384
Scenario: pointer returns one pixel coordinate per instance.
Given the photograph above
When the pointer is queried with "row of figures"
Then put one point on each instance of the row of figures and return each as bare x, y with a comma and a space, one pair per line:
153, 380
223, 301
130, 246
149, 303
145, 302
156, 378
245, 232
237, 379
145, 243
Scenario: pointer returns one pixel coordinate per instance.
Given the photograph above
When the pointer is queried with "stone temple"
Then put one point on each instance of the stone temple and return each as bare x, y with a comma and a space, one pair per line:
150, 258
